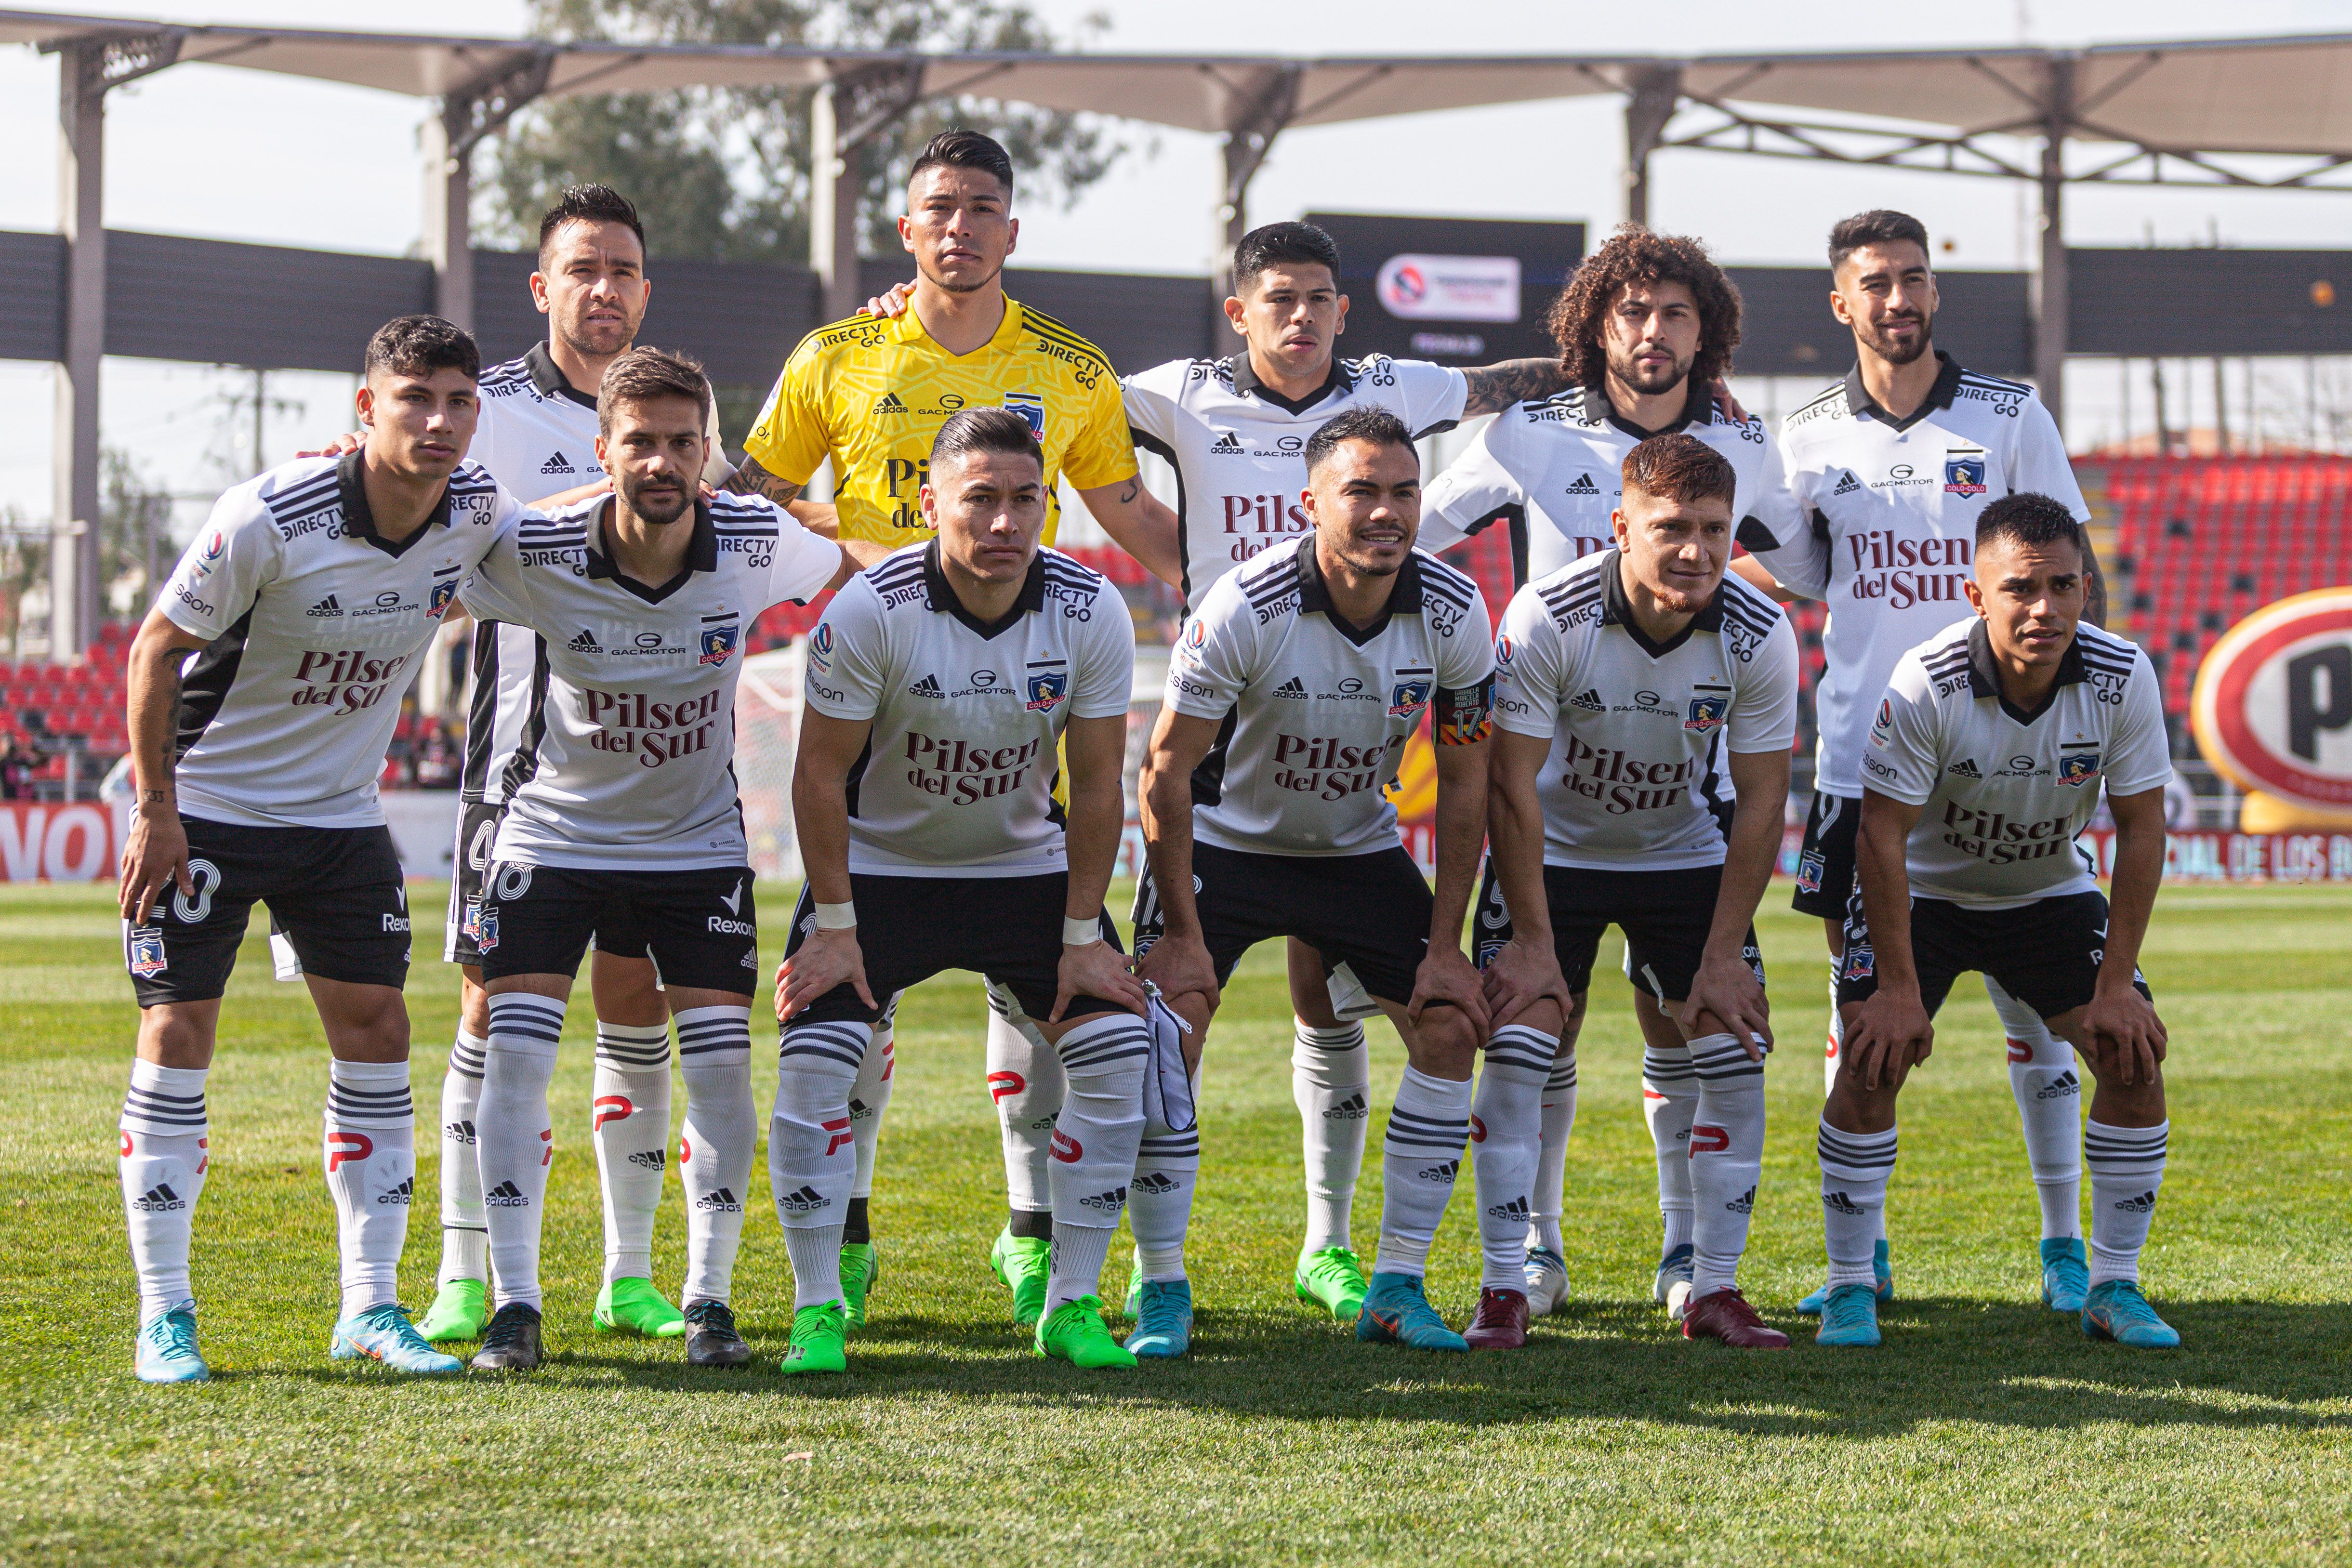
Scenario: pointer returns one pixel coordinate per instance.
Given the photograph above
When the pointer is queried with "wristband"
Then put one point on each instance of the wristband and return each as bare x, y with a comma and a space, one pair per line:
841, 916
1081, 933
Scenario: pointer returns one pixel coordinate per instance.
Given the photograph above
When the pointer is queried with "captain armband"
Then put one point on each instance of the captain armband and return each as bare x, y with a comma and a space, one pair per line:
1465, 715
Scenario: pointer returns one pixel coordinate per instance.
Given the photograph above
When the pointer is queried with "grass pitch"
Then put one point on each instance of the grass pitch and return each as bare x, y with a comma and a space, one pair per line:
1987, 1429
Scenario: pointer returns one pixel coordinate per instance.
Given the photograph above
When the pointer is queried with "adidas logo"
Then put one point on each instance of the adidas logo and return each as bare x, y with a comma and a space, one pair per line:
722, 1200
1847, 485
1107, 1202
460, 1132
928, 687
159, 1199
1352, 1109
808, 1200
1153, 1182
2141, 1205
325, 608
506, 1195
1293, 687
1744, 1204
651, 1159
1514, 1210
1226, 442
557, 464
1836, 1200
399, 1197
1966, 767
586, 642
1444, 1172
1588, 699
2066, 1084
1584, 486
888, 404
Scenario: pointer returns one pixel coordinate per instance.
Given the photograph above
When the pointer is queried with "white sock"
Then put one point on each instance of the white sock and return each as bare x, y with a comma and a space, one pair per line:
869, 1097
2127, 1172
1506, 1145
465, 1233
1094, 1147
516, 1141
1854, 1170
370, 1164
2049, 1108
1669, 1103
715, 1147
1551, 1163
628, 1122
166, 1147
1160, 1198
812, 1155
1331, 1084
1419, 1157
1025, 1080
1727, 1157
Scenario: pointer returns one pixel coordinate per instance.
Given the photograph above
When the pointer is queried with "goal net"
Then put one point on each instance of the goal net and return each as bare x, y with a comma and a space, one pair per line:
767, 730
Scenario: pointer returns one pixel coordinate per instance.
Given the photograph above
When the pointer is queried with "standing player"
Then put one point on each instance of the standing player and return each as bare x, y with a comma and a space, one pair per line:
1890, 469
1265, 812
1983, 764
308, 599
623, 824
942, 686
1638, 690
1647, 330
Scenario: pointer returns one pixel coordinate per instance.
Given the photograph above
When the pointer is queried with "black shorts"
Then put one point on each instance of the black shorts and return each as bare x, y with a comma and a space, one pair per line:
2045, 954
700, 927
335, 894
1370, 912
477, 829
1825, 860
1665, 916
909, 928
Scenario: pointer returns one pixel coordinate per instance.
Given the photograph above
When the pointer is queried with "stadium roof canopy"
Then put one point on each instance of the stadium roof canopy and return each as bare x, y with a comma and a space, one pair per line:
2260, 112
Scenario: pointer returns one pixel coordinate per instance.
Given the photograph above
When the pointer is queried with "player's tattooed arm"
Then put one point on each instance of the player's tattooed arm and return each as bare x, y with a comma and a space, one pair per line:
1495, 387
155, 855
2094, 585
1140, 524
750, 479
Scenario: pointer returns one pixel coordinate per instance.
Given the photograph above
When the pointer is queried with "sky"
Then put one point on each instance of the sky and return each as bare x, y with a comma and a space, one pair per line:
243, 155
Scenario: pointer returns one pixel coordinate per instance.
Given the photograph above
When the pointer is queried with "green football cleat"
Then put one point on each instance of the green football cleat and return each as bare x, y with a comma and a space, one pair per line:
1022, 1263
1850, 1317
2066, 1274
1397, 1312
1332, 1279
1163, 1324
819, 1340
1074, 1331
1880, 1266
634, 1306
2115, 1309
166, 1349
460, 1310
1133, 1306
385, 1335
861, 1266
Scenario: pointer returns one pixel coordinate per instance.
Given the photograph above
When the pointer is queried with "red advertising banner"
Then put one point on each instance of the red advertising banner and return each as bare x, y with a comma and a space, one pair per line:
77, 843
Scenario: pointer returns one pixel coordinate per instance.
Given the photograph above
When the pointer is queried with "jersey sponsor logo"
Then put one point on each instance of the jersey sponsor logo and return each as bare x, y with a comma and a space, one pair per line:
1871, 765
889, 402
2078, 763
654, 732
1255, 522
903, 479
209, 551
147, 957
1709, 705
1645, 702
1584, 486
718, 643
2020, 767
1410, 696
821, 645
1620, 782
557, 464
1504, 648
1084, 370
348, 682
585, 642
1047, 688
1328, 768
191, 600
720, 926
445, 593
1030, 407
1964, 473
1966, 767
1196, 634
1293, 690
963, 772
1227, 444
1588, 699
1994, 838
1881, 562
296, 527
1882, 728
984, 682
1846, 485
928, 687
325, 608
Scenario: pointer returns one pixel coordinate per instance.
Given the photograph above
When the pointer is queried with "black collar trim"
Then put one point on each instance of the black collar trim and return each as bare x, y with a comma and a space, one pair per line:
701, 553
1858, 401
549, 381
1617, 609
1984, 678
941, 595
1698, 408
1247, 383
1315, 595
359, 521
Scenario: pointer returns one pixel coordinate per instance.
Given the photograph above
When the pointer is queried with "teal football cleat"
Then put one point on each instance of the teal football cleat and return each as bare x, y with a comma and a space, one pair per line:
385, 1335
1396, 1312
1879, 1265
2066, 1274
2115, 1309
1163, 1319
167, 1349
1850, 1317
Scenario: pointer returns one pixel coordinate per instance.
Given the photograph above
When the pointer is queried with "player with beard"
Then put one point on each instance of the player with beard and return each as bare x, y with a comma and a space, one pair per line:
1890, 469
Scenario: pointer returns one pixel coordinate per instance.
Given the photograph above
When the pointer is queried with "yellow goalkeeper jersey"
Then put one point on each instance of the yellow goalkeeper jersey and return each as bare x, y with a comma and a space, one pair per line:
871, 395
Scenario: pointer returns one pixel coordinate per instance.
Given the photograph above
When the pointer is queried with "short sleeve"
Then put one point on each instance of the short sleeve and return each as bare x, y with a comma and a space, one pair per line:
716, 469
234, 556
1103, 682
1769, 515
805, 564
495, 590
1466, 648
848, 655
1211, 663
1101, 453
2140, 752
1531, 668
1150, 405
1472, 491
790, 439
2042, 464
1902, 759
1764, 705
1432, 395
1798, 560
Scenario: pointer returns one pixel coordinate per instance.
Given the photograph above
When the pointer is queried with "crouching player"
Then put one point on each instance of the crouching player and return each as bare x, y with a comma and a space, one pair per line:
1636, 691
938, 685
1984, 763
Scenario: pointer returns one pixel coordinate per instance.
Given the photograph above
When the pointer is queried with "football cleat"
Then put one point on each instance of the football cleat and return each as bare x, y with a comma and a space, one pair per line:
385, 1333
1726, 1315
1133, 1305
460, 1310
1022, 1263
819, 1333
1163, 1319
711, 1336
1879, 1268
1074, 1331
1397, 1312
635, 1306
166, 1349
1850, 1316
861, 1266
1672, 1288
1499, 1324
1546, 1281
510, 1340
1332, 1279
2066, 1274
2115, 1309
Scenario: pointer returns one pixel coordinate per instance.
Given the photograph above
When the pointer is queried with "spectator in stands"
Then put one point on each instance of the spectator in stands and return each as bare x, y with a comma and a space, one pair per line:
436, 757
20, 765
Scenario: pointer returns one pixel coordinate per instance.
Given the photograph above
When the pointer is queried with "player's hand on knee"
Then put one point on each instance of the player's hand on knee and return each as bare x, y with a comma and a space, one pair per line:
154, 857
2127, 1040
1096, 970
1725, 998
1180, 966
1890, 1035
1446, 978
828, 959
1522, 975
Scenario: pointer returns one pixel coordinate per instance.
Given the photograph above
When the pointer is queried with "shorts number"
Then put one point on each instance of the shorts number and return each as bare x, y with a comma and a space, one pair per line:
478, 853
206, 878
509, 882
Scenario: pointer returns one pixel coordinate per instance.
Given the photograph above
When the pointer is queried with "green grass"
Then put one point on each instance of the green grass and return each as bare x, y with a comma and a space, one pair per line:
1985, 1430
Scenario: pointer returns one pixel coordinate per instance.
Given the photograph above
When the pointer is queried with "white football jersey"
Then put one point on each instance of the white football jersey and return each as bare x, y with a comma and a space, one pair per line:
1554, 471
1316, 713
957, 775
1636, 778
317, 626
1239, 447
2005, 792
628, 747
1888, 527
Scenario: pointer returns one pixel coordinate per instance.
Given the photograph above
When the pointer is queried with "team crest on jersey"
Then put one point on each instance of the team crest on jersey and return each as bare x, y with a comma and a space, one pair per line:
1809, 871
445, 593
1047, 688
1030, 407
1709, 704
718, 643
147, 957
1964, 473
1408, 698
2078, 766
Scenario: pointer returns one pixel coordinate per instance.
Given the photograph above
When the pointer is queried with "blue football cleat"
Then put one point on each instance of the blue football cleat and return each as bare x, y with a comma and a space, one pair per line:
167, 1349
2115, 1309
1396, 1312
2066, 1274
1163, 1319
1879, 1265
1850, 1317
385, 1335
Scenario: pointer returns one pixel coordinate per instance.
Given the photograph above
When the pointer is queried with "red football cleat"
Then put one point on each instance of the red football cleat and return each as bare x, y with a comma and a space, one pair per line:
1500, 1323
1726, 1315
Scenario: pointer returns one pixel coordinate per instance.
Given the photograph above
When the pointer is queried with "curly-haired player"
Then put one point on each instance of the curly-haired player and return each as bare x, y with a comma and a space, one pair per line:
1636, 261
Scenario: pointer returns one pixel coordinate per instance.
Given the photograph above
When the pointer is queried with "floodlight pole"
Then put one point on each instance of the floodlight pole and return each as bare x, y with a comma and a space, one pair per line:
1652, 94
467, 115
850, 111
2050, 326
